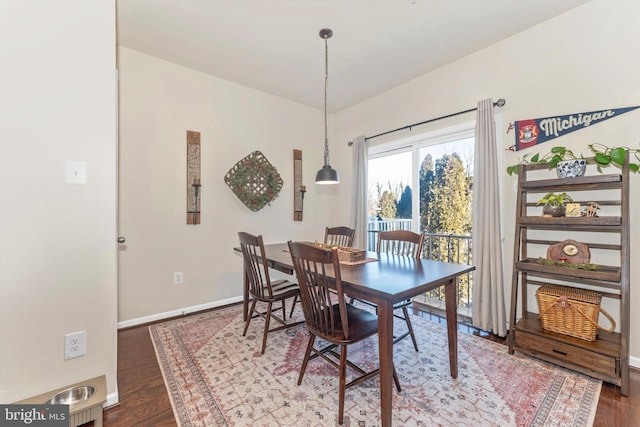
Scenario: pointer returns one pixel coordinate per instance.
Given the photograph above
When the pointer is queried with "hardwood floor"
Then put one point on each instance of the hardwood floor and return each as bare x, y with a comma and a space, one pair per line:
144, 400
143, 396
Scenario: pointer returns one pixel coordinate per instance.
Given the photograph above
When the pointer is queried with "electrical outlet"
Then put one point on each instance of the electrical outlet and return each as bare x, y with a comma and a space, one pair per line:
178, 278
75, 345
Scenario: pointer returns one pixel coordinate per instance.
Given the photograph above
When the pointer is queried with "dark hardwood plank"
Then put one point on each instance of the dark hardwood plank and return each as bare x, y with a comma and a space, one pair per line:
143, 395
144, 400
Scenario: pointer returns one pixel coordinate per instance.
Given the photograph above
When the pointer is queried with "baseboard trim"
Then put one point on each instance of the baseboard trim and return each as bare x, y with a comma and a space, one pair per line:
178, 312
112, 399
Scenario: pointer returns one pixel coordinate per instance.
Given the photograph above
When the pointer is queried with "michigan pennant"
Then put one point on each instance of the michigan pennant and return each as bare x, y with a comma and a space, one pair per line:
536, 131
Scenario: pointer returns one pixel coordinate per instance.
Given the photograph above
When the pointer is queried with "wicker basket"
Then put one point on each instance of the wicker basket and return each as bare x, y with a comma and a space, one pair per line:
571, 311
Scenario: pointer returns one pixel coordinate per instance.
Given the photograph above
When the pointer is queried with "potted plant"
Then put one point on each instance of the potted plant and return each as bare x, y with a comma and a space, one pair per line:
558, 157
554, 203
572, 165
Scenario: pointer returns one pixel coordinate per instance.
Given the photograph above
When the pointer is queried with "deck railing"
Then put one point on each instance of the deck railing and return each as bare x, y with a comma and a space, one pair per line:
441, 247
375, 225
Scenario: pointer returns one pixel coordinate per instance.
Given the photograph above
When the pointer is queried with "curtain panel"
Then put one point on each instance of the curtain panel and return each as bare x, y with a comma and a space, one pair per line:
488, 284
359, 172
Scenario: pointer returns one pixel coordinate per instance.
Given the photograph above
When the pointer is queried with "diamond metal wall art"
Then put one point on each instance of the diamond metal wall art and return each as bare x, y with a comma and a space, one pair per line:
254, 180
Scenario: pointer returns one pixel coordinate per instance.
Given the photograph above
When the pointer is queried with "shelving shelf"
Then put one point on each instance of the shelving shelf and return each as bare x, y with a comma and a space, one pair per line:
606, 358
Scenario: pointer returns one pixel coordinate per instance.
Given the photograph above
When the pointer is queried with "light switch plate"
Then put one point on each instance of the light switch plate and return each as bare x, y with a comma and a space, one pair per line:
75, 172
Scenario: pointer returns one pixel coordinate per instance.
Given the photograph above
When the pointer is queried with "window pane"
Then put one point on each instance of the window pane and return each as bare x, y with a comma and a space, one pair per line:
390, 186
446, 177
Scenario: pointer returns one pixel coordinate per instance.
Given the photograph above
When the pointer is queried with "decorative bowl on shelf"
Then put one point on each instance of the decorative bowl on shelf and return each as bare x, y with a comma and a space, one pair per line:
571, 168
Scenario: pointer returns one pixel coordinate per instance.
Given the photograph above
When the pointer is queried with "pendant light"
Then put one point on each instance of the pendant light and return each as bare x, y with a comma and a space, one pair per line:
326, 175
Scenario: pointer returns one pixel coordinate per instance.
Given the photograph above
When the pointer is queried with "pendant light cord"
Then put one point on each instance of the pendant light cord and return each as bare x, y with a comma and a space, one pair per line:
326, 83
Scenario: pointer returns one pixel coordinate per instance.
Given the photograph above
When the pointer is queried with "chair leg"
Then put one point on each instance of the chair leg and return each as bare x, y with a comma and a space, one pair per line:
249, 316
284, 311
266, 327
307, 354
295, 299
396, 380
343, 380
408, 320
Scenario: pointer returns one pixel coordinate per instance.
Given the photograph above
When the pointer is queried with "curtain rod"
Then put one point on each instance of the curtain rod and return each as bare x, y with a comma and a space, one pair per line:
499, 103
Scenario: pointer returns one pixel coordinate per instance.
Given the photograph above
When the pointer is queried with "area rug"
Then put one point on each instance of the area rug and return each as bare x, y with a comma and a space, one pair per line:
217, 377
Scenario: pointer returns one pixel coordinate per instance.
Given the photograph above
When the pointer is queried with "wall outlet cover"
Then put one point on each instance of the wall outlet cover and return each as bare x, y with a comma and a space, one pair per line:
75, 345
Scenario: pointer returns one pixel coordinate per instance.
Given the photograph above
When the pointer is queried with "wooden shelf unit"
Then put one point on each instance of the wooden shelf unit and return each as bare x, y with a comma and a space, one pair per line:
606, 358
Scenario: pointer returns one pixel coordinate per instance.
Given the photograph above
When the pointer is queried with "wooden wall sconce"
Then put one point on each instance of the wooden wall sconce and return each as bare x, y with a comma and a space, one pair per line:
193, 178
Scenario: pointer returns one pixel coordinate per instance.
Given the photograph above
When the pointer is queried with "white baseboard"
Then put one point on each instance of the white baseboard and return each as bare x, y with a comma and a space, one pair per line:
634, 362
177, 312
112, 399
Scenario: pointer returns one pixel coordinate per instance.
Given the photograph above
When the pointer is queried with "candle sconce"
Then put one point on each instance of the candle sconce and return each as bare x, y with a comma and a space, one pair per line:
193, 178
195, 214
299, 198
298, 188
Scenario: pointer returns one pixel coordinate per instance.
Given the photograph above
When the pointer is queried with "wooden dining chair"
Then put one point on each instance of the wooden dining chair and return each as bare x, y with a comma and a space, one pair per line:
262, 289
339, 236
404, 243
328, 316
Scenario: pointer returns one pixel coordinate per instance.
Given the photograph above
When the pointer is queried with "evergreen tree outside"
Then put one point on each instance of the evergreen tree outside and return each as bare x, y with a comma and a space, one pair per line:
449, 208
388, 205
446, 210
427, 176
403, 207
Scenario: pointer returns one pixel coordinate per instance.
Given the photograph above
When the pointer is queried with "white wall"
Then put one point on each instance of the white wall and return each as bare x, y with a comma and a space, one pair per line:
160, 101
581, 61
57, 241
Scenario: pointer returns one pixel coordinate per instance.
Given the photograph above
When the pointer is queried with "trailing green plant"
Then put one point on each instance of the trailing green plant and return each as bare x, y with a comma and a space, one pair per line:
603, 156
552, 158
555, 199
607, 156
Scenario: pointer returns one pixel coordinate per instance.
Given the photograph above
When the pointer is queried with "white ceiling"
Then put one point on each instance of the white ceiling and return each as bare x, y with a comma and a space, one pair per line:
274, 46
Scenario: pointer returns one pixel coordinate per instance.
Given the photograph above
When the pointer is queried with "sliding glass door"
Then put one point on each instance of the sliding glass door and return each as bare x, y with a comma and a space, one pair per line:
426, 186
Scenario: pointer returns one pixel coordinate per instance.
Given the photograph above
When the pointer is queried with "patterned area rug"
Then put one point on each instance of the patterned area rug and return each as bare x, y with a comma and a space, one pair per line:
217, 377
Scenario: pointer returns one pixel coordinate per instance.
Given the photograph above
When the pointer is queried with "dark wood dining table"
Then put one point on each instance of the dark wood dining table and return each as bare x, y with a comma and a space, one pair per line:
384, 282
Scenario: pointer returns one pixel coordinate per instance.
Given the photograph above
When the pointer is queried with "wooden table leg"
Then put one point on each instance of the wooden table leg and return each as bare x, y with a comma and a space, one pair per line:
452, 325
385, 343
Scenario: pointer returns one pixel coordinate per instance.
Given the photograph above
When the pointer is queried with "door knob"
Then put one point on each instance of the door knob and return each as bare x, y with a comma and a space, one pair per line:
121, 240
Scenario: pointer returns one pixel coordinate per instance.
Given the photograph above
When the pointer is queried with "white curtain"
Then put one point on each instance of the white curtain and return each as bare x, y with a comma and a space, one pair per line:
359, 172
488, 287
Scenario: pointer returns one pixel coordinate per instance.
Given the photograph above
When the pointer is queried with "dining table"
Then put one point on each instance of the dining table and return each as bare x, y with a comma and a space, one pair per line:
385, 279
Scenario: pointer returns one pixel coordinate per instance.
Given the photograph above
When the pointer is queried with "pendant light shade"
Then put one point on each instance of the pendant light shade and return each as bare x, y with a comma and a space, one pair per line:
326, 175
